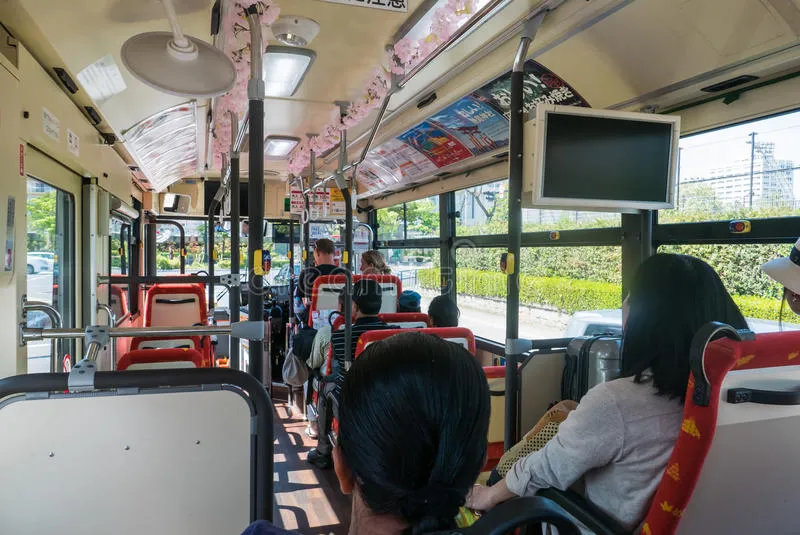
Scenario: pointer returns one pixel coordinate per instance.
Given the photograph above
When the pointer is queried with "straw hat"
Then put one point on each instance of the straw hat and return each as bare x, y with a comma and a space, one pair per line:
786, 270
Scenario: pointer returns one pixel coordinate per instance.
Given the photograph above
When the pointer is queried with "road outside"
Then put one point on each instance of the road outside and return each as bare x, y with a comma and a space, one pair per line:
40, 288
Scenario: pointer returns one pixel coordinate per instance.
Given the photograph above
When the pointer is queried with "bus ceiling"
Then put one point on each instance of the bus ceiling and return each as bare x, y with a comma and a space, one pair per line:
618, 54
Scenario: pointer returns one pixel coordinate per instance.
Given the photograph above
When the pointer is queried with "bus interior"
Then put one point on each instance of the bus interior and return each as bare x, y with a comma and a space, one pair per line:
169, 165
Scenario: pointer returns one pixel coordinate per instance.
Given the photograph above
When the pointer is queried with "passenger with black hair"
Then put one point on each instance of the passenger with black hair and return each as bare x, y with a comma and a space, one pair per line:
619, 438
443, 312
413, 421
366, 306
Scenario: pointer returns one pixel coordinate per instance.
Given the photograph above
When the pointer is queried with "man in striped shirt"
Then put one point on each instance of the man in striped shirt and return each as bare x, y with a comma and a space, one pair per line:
366, 306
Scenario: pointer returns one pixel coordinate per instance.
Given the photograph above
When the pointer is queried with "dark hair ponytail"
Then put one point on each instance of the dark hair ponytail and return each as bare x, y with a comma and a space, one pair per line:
414, 420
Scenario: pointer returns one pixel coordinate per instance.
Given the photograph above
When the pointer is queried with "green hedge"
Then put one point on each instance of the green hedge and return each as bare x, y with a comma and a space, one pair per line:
737, 265
565, 295
569, 295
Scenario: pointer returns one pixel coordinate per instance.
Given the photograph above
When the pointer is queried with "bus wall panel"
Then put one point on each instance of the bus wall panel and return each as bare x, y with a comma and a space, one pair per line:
12, 283
767, 100
53, 119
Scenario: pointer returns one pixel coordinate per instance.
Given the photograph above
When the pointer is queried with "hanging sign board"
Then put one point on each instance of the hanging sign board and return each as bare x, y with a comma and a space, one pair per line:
400, 6
337, 208
298, 204
319, 203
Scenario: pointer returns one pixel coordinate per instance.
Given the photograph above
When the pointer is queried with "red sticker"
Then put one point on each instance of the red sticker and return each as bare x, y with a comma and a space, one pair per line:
21, 159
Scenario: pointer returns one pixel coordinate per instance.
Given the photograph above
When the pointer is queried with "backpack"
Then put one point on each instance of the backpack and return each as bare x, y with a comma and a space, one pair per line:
295, 371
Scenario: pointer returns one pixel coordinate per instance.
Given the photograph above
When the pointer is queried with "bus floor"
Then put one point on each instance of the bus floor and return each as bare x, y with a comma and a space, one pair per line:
306, 499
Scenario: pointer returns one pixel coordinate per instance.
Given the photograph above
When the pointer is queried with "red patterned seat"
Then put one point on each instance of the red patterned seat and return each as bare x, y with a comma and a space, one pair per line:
326, 290
733, 469
457, 335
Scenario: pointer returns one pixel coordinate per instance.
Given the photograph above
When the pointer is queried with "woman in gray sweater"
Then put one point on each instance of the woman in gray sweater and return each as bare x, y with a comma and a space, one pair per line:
619, 439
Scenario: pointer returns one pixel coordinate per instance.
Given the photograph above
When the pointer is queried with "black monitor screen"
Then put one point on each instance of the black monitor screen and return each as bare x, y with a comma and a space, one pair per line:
211, 189
606, 159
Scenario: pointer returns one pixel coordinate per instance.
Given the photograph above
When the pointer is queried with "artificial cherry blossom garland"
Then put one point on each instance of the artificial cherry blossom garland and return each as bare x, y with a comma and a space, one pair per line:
236, 31
403, 56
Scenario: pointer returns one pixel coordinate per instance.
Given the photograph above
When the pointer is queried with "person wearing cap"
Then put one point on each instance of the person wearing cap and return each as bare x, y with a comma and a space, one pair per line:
409, 302
366, 306
786, 271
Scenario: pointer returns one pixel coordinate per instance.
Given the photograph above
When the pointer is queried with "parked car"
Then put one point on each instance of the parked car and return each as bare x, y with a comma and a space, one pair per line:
594, 322
37, 262
282, 277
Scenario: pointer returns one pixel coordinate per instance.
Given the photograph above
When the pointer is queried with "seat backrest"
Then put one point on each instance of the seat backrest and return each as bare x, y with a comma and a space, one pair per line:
118, 300
187, 342
458, 335
157, 447
734, 467
161, 358
496, 376
175, 305
326, 290
403, 320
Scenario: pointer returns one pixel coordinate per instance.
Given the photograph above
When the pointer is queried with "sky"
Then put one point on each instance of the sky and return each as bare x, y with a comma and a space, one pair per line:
711, 150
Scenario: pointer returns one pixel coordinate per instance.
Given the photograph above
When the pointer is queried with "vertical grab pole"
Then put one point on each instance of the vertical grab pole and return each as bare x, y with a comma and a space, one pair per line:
307, 226
182, 233
516, 121
347, 260
234, 294
211, 252
255, 238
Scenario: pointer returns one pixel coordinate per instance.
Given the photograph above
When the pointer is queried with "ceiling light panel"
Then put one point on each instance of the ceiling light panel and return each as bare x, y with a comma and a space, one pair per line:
102, 79
284, 68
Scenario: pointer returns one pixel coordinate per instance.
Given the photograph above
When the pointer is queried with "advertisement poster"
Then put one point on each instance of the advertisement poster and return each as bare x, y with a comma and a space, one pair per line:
539, 86
402, 160
8, 264
437, 145
478, 126
374, 177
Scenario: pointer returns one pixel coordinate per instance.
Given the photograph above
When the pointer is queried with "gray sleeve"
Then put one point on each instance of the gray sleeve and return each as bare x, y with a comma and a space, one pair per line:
590, 437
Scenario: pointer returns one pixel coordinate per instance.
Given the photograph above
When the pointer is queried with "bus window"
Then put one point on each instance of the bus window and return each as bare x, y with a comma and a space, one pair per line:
119, 252
558, 284
416, 219
484, 211
413, 266
758, 296
50, 264
745, 171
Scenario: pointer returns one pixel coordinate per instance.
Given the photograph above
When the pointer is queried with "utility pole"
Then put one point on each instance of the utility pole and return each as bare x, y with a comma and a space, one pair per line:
752, 144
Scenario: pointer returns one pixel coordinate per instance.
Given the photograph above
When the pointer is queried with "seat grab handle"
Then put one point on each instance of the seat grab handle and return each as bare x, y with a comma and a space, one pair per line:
764, 397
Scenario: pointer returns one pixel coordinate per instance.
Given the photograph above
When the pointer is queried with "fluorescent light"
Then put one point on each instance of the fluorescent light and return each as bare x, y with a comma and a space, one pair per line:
102, 79
284, 69
279, 147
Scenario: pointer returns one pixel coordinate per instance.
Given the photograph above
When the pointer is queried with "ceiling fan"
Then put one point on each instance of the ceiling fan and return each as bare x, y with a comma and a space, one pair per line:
178, 64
